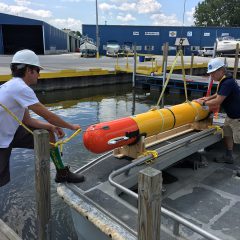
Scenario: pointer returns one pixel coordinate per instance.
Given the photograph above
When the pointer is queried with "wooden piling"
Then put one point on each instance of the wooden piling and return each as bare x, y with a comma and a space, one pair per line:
191, 68
164, 68
42, 178
236, 62
149, 204
134, 66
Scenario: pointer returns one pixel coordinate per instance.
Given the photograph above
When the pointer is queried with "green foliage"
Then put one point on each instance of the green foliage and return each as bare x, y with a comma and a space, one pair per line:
224, 13
78, 33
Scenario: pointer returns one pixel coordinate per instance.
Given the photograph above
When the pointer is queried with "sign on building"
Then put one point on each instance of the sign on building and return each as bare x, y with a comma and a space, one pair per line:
206, 34
172, 33
225, 34
152, 33
135, 33
189, 34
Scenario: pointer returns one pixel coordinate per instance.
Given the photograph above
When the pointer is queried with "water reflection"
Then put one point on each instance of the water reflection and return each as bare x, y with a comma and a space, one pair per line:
85, 107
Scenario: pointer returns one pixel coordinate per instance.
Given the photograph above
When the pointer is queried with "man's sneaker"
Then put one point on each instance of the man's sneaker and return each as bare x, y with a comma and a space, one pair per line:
224, 159
65, 175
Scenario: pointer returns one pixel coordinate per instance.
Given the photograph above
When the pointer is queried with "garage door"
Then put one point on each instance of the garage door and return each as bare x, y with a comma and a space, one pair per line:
18, 37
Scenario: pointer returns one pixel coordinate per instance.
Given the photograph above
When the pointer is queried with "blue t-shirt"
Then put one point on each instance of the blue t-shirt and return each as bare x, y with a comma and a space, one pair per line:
231, 104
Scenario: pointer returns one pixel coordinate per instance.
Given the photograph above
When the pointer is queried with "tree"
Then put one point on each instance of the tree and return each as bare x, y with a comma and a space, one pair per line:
225, 13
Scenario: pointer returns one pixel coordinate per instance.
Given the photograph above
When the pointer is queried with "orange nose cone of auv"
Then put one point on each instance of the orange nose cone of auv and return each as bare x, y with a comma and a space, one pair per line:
106, 136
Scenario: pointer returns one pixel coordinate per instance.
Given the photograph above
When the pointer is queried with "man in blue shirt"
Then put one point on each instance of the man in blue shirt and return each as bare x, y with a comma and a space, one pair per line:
228, 97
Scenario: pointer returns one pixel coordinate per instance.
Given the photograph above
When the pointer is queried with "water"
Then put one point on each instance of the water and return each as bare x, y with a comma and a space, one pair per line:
81, 106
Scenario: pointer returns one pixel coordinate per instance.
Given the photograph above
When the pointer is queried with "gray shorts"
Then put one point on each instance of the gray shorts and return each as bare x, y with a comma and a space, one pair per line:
22, 139
231, 128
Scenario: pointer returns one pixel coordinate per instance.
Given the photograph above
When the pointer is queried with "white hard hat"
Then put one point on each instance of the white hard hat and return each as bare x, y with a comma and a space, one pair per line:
26, 56
214, 64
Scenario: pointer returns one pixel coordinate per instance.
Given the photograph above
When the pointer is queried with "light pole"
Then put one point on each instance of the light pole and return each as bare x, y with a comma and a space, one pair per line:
97, 32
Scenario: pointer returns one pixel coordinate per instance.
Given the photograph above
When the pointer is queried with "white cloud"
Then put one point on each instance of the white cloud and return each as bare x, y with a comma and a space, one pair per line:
44, 15
163, 20
69, 23
126, 18
24, 11
189, 15
22, 2
70, 1
127, 6
106, 6
139, 6
148, 6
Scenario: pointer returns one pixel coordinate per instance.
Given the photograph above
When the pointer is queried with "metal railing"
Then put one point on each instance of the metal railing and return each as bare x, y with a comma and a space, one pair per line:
166, 212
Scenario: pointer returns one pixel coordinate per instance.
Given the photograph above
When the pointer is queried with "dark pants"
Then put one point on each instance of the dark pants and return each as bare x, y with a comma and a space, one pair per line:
22, 139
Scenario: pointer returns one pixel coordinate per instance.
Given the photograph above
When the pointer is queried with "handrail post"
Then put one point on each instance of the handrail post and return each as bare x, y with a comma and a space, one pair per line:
149, 204
42, 184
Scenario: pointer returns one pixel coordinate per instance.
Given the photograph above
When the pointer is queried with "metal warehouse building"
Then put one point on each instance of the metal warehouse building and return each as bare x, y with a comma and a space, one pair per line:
18, 33
149, 39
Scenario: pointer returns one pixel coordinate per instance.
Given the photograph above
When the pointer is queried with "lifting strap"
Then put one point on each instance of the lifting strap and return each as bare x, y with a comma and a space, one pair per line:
56, 144
179, 53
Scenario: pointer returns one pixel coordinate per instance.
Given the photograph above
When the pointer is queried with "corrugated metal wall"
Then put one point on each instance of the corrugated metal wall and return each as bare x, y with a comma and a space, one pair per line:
55, 39
149, 39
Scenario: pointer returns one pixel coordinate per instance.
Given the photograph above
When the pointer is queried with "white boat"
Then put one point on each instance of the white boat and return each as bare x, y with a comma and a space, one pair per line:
87, 48
112, 48
227, 45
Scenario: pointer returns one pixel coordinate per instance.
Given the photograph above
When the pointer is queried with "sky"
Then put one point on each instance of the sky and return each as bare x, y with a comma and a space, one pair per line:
71, 14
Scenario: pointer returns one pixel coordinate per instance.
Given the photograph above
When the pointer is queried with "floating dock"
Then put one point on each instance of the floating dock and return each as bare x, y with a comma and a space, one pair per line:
176, 83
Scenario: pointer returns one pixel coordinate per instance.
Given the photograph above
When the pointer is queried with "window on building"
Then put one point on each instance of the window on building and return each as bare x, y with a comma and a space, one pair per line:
148, 48
138, 48
135, 33
170, 48
195, 48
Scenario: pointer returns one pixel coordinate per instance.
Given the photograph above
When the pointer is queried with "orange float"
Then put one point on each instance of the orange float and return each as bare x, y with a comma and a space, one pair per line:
106, 136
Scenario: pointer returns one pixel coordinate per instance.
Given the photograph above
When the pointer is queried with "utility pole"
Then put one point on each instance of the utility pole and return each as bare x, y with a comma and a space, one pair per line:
97, 32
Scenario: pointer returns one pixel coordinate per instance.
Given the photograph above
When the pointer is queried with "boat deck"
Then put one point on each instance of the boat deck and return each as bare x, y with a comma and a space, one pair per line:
196, 188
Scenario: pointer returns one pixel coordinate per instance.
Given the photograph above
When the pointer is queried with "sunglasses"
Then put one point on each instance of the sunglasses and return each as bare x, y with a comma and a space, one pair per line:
37, 69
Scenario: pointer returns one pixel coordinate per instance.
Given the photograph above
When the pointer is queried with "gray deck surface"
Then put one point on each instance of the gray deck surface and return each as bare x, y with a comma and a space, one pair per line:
208, 197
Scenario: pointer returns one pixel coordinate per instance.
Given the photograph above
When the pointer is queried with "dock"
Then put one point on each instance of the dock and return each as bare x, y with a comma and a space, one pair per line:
6, 233
176, 83
67, 71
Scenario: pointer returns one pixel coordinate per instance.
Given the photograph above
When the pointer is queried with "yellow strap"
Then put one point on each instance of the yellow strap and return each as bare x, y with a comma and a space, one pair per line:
216, 113
153, 153
61, 142
58, 143
224, 76
15, 117
218, 129
163, 121
168, 78
184, 75
196, 109
179, 53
